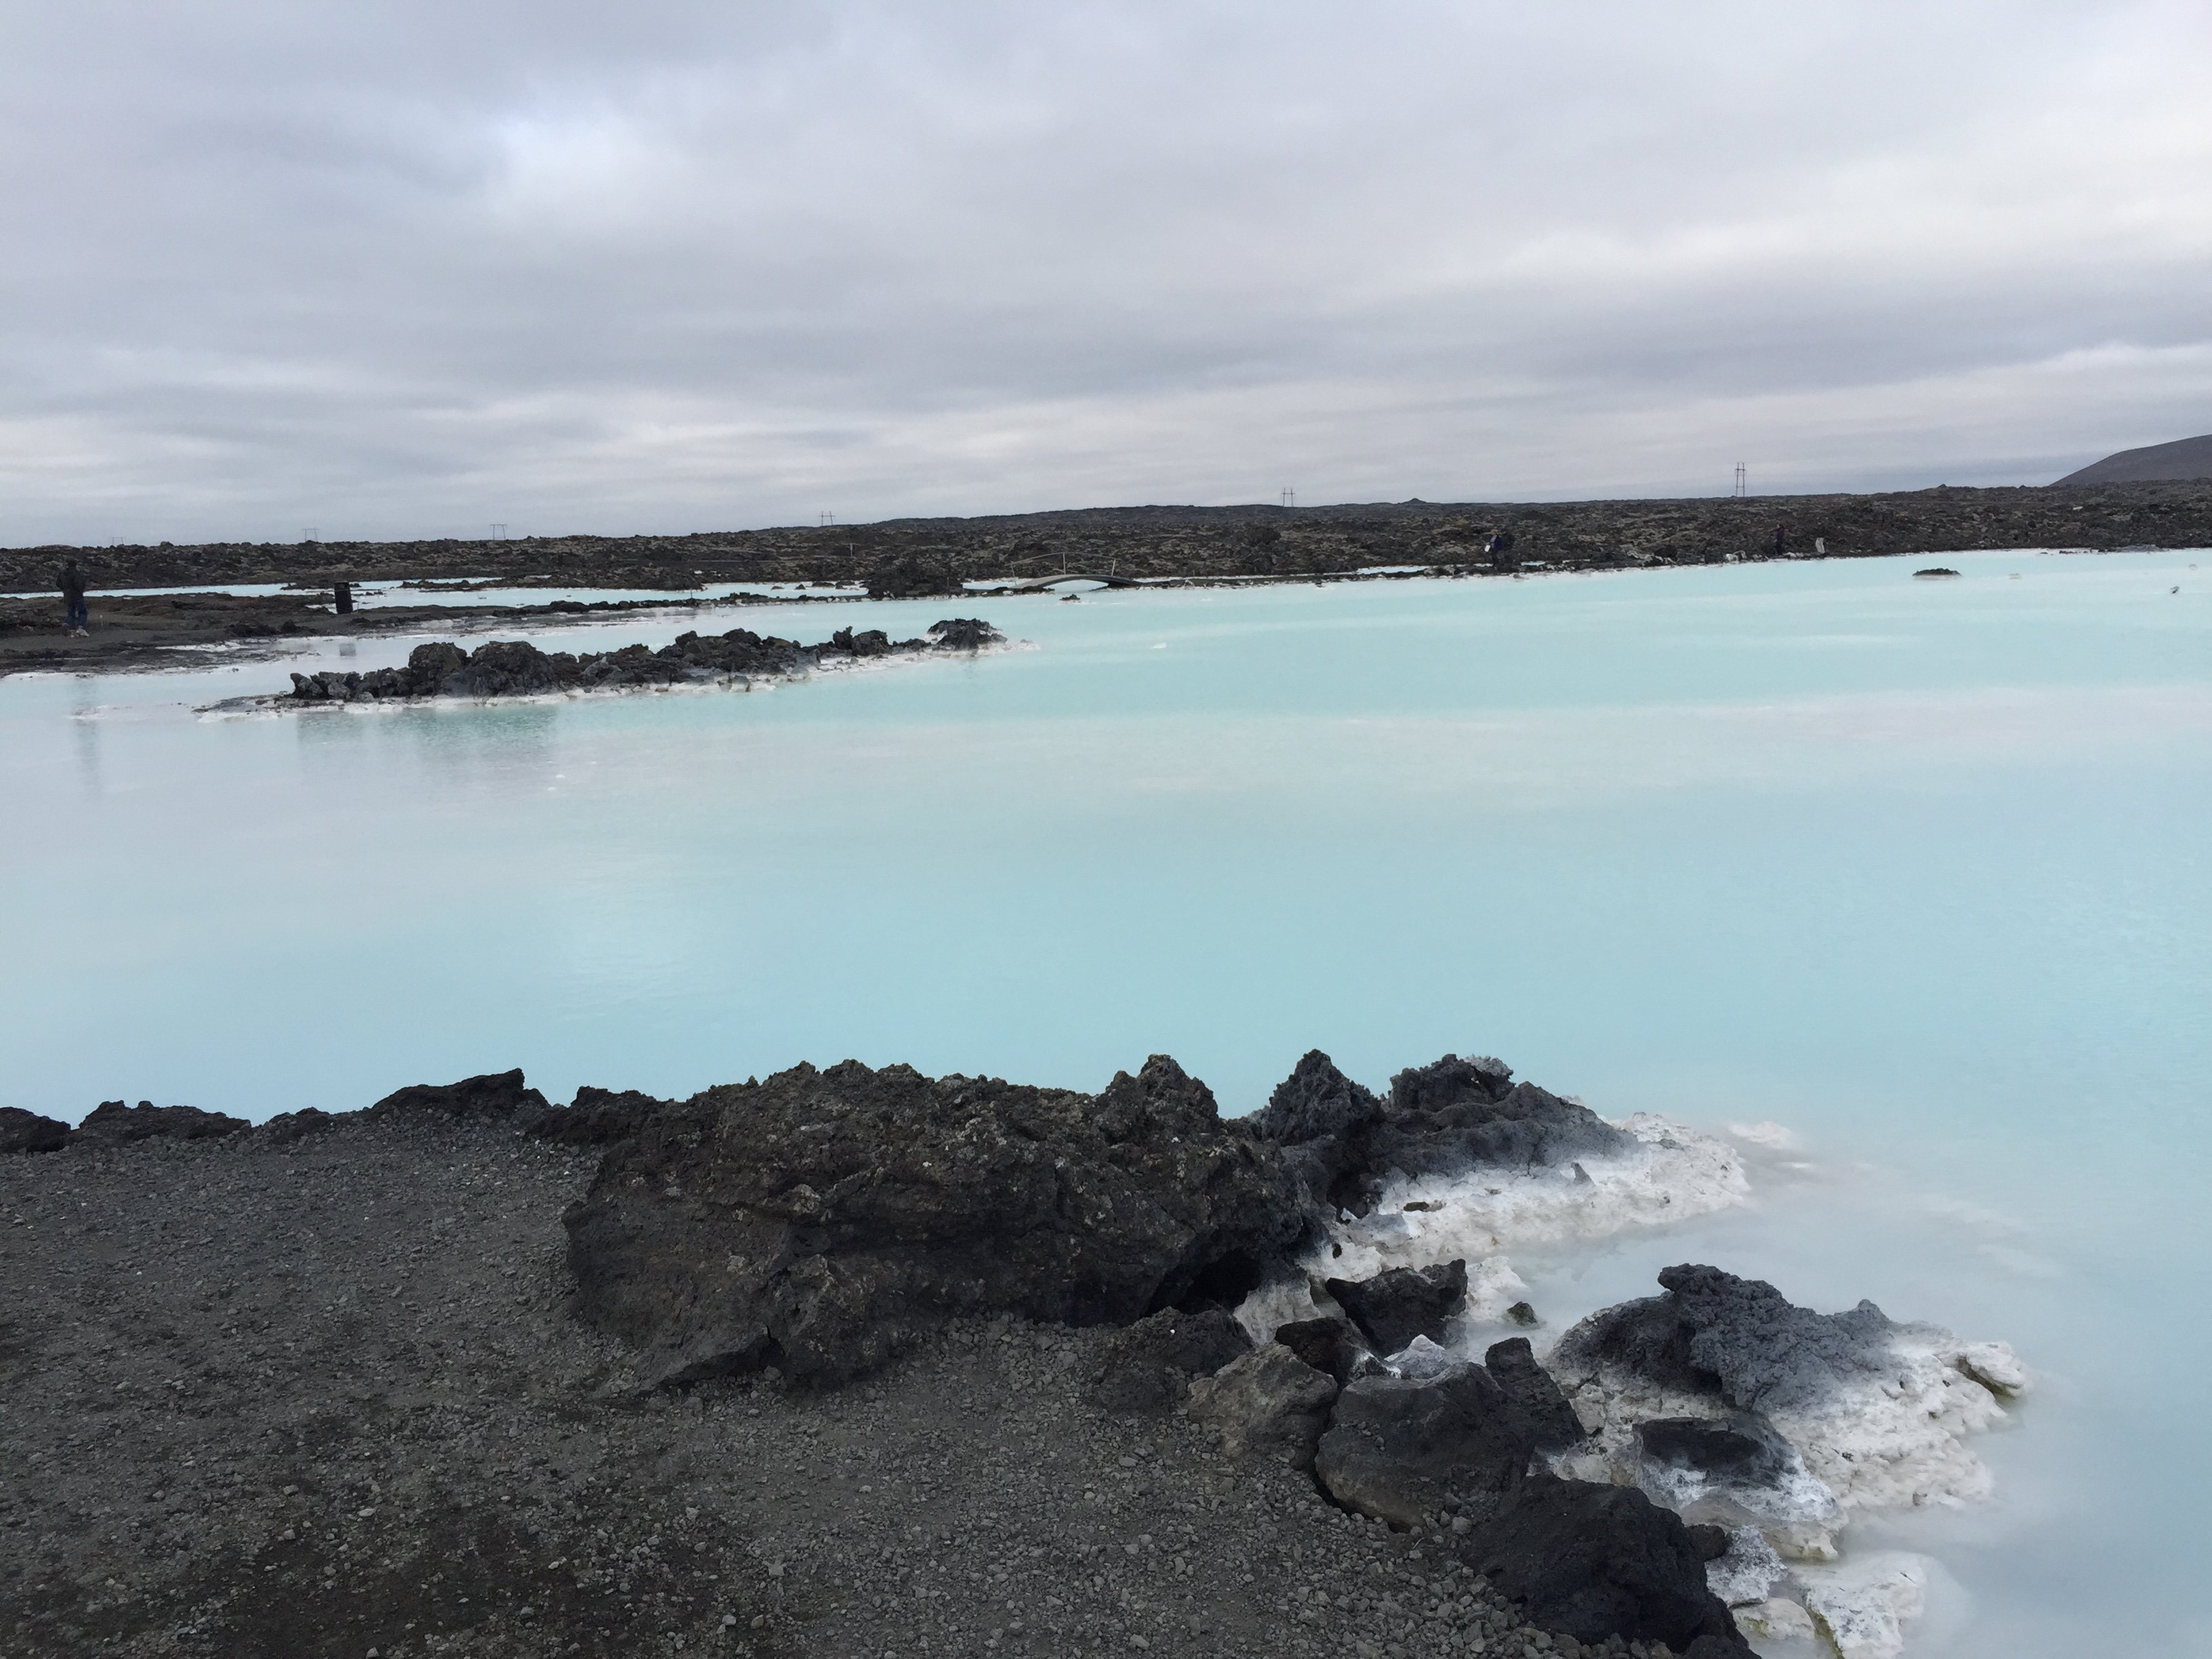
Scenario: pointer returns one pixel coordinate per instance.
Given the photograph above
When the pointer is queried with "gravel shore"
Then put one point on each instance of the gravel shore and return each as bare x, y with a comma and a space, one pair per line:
323, 1396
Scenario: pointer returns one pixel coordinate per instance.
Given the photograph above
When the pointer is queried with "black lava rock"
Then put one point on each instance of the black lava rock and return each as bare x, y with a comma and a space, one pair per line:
1148, 1366
1401, 1303
116, 1124
1740, 1340
26, 1132
1442, 1119
1397, 1447
1741, 1450
815, 1220
1549, 1420
1596, 1561
1329, 1345
494, 1096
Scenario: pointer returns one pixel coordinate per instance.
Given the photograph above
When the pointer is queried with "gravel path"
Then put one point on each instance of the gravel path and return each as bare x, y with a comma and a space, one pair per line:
322, 1398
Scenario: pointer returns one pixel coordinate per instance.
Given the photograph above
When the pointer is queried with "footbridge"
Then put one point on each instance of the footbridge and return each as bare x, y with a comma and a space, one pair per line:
1038, 583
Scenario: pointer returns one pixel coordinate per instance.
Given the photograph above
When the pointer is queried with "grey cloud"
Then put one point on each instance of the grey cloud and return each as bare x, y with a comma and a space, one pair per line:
409, 268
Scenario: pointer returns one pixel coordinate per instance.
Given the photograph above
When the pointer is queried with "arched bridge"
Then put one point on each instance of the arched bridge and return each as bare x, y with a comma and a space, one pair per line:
1038, 583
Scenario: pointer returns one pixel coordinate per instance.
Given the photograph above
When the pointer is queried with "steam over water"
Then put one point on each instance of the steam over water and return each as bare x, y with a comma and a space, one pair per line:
1915, 872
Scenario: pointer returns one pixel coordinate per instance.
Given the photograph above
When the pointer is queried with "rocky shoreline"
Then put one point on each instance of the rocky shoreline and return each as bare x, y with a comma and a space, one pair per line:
854, 1360
934, 556
516, 668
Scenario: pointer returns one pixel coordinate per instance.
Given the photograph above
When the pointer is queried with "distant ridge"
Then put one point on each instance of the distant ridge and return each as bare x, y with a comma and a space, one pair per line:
2183, 458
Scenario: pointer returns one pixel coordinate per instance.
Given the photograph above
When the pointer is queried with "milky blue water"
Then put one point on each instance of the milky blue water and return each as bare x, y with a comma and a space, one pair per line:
1917, 869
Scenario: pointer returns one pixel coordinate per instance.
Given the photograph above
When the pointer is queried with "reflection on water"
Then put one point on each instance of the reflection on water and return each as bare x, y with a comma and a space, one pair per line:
85, 733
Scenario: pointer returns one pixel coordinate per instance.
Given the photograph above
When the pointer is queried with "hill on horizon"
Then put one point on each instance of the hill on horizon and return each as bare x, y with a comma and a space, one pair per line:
2183, 459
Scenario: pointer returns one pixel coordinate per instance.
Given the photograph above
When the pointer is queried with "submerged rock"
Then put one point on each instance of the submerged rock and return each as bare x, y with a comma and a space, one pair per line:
818, 1220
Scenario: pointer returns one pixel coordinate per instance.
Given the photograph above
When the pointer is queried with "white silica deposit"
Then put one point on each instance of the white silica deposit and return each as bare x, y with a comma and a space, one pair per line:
1671, 1174
1884, 1429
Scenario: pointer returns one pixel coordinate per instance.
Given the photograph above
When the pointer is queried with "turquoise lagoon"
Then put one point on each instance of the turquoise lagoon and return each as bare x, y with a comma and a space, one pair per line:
1916, 869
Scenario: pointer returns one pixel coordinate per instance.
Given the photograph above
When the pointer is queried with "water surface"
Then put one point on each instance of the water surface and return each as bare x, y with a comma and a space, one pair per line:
1914, 868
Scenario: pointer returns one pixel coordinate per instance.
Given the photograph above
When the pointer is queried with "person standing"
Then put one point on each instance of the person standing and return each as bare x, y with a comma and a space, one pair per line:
1781, 540
73, 607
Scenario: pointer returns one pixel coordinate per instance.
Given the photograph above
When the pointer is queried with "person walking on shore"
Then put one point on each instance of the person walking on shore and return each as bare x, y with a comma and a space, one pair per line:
75, 616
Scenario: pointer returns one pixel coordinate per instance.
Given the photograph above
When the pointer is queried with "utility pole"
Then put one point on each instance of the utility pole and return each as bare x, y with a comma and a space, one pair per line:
499, 533
825, 519
1289, 496
1740, 487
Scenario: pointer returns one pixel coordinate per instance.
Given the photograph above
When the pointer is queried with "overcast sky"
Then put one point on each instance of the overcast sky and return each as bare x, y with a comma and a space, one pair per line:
415, 267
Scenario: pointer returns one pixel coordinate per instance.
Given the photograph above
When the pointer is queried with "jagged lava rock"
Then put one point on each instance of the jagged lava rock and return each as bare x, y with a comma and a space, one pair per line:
1268, 1403
1550, 1421
516, 668
1875, 1411
597, 1117
1596, 1561
1444, 1118
814, 1220
27, 1132
494, 1097
114, 1123
1148, 1366
1401, 1303
1740, 1337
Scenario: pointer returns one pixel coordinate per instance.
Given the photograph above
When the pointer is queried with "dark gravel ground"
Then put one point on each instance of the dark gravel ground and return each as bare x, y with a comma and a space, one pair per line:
322, 1398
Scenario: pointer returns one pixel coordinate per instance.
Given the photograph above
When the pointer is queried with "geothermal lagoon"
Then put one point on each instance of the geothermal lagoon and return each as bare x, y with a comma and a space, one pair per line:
1891, 895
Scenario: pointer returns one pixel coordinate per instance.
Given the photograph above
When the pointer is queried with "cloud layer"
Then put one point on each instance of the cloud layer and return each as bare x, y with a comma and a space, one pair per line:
408, 269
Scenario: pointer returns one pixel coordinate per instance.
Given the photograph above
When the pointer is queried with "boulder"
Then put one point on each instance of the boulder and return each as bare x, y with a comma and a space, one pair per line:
819, 1219
493, 1097
113, 1123
27, 1132
964, 633
1396, 1448
1148, 1366
1548, 1419
1597, 1561
1401, 1303
1326, 1345
1268, 1403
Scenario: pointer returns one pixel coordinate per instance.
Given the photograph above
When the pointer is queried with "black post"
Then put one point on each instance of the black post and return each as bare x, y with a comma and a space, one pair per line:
344, 593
